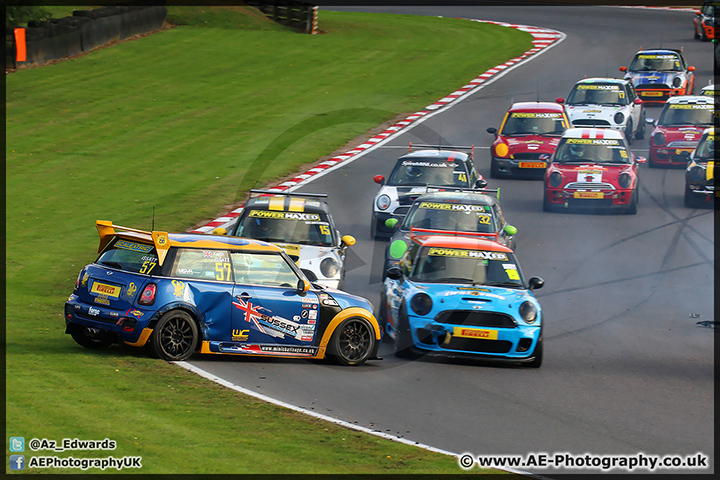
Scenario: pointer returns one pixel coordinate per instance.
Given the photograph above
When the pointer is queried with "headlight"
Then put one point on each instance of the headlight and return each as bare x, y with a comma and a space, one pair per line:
421, 304
383, 202
619, 117
677, 81
528, 312
659, 139
555, 179
625, 180
696, 174
330, 267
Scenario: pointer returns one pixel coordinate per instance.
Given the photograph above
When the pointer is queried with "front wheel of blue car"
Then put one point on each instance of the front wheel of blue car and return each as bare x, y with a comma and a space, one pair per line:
352, 342
175, 336
403, 338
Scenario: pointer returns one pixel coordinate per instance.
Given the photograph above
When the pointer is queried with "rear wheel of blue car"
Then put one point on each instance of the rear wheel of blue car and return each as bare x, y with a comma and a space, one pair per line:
175, 336
352, 342
90, 337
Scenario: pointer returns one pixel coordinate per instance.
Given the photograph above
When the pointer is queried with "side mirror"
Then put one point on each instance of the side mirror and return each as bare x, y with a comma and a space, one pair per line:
685, 156
650, 121
379, 179
691, 69
640, 159
219, 231
623, 69
394, 273
480, 183
536, 282
638, 101
510, 230
302, 287
559, 100
348, 240
492, 130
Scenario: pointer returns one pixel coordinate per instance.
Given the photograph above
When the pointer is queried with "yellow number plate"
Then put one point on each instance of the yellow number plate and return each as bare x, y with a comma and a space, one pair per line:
532, 164
678, 151
588, 195
103, 289
475, 333
651, 94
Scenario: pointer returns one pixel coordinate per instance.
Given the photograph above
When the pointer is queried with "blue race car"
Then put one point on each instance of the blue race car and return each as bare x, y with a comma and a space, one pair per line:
459, 296
659, 74
183, 293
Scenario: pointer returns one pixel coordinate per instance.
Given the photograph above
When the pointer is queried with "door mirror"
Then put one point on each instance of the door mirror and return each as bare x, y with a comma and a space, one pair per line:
536, 282
492, 130
302, 287
348, 240
394, 273
219, 231
379, 179
510, 230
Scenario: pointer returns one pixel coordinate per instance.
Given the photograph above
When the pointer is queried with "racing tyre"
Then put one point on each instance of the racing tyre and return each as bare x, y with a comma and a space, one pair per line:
537, 354
652, 163
640, 134
495, 169
403, 340
547, 206
353, 341
373, 228
91, 337
632, 205
175, 337
690, 199
629, 132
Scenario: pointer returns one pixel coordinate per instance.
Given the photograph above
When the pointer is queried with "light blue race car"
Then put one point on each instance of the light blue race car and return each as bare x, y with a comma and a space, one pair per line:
459, 296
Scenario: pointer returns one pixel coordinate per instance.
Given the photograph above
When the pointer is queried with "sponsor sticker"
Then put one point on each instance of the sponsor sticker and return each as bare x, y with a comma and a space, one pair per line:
135, 247
475, 333
460, 253
105, 289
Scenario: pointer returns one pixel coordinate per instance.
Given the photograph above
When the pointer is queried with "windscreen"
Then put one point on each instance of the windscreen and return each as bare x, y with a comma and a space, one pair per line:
477, 267
450, 216
656, 62
592, 150
418, 172
531, 123
597, 94
681, 114
286, 227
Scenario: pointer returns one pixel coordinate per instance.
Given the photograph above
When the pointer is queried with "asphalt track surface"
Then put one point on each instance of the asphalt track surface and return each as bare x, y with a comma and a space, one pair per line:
628, 368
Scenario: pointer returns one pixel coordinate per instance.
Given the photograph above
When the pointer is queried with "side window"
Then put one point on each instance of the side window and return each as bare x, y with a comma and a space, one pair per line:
203, 265
630, 93
498, 214
473, 173
406, 262
268, 269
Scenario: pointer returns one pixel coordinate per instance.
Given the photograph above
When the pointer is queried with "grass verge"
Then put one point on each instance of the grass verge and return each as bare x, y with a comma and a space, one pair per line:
186, 121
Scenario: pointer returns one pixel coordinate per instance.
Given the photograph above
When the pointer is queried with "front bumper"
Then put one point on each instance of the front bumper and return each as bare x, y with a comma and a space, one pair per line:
520, 168
606, 199
669, 156
508, 344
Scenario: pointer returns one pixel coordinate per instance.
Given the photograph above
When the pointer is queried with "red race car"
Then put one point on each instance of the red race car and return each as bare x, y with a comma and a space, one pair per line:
704, 21
592, 168
681, 123
527, 137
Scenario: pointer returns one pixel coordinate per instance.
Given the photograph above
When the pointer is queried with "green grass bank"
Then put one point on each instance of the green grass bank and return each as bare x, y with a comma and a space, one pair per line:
174, 121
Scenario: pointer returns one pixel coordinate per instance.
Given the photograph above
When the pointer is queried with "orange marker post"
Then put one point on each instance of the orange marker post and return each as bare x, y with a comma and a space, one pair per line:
20, 50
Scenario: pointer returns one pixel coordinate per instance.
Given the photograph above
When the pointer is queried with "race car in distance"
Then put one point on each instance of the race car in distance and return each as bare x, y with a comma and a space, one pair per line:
706, 28
679, 128
592, 168
185, 292
708, 90
300, 224
606, 103
413, 172
659, 74
700, 173
527, 137
458, 296
462, 212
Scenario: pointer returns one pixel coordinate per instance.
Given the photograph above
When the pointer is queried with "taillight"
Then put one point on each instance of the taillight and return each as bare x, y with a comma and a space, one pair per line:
147, 297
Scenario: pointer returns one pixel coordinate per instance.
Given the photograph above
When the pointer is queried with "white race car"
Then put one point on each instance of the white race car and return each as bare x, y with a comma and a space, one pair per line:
300, 224
606, 103
414, 172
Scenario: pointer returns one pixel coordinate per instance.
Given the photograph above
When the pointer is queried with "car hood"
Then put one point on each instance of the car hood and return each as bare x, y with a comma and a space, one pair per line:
465, 297
591, 173
687, 134
660, 78
603, 112
531, 143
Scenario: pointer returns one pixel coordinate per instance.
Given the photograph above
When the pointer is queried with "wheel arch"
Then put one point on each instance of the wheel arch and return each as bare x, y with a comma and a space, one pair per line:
342, 316
194, 313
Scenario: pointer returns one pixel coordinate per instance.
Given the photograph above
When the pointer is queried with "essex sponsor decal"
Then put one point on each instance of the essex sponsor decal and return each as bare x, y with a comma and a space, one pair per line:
458, 253
104, 289
475, 333
285, 215
274, 326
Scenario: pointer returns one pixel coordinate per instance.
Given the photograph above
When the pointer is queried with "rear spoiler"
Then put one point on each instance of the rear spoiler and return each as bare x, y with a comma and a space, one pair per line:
107, 232
442, 188
288, 194
414, 231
